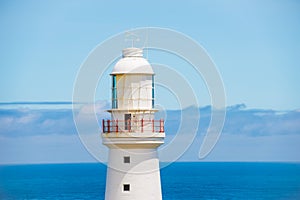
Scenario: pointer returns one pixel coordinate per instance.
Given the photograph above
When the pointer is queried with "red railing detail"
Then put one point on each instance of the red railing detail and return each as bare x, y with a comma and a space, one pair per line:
142, 122
117, 126
103, 125
143, 125
153, 125
108, 125
161, 127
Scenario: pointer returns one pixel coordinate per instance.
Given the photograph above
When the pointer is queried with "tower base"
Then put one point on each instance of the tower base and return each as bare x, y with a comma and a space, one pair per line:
133, 167
139, 179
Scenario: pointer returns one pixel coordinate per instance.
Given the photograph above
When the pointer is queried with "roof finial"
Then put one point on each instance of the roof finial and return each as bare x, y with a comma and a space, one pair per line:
130, 36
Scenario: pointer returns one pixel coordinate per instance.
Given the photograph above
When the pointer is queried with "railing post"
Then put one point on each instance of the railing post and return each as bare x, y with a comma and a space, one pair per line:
108, 126
117, 126
128, 125
103, 126
153, 129
161, 126
142, 125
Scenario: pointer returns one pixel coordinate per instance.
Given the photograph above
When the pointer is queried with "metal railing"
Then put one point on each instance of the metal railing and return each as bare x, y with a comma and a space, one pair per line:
154, 126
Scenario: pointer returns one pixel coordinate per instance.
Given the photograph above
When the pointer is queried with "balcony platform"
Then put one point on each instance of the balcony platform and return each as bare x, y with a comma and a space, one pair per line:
133, 140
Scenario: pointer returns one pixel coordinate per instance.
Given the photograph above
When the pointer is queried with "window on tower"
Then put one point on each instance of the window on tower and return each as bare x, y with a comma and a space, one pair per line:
126, 159
126, 187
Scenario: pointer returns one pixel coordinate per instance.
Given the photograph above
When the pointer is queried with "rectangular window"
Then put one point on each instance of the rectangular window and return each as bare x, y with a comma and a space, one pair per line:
126, 159
126, 187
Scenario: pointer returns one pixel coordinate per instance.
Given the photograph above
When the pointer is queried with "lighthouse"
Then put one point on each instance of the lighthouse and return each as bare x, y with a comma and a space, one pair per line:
132, 134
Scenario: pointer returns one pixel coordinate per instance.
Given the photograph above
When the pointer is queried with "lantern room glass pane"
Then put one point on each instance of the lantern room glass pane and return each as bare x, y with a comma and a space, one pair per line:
114, 92
152, 91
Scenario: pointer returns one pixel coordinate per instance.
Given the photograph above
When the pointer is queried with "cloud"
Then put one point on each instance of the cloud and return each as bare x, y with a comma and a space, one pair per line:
262, 122
21, 122
242, 121
49, 135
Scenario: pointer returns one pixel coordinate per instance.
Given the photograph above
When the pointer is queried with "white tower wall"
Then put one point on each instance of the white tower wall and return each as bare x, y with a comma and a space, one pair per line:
142, 173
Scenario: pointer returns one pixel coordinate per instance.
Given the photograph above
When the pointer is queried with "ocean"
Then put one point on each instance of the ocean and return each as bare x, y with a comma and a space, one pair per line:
186, 180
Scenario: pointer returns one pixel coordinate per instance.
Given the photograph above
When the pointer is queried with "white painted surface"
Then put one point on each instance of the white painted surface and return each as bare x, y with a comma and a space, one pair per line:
142, 173
133, 140
132, 52
132, 63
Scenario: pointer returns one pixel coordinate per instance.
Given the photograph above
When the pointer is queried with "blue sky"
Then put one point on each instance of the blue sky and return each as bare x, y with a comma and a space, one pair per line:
255, 45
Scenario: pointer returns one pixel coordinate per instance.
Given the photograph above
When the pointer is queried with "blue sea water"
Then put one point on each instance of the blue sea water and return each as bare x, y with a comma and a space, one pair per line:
179, 181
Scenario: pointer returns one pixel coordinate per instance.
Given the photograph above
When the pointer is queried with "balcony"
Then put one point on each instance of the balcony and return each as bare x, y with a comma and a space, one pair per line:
134, 126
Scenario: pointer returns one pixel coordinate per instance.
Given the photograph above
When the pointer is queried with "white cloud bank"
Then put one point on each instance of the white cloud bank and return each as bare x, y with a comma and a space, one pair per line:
49, 135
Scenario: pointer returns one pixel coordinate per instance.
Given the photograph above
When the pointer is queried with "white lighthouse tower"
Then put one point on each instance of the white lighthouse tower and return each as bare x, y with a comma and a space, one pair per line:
132, 134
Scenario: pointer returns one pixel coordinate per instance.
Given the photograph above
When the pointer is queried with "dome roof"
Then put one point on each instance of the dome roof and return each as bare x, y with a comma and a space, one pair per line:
132, 63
